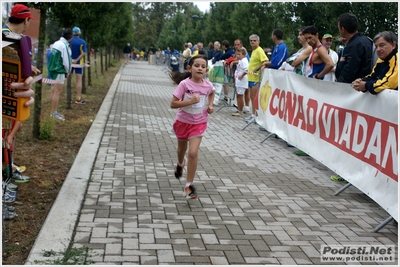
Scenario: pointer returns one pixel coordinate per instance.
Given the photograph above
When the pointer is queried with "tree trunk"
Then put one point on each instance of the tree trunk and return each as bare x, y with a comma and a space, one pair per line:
101, 61
84, 75
69, 92
39, 64
90, 61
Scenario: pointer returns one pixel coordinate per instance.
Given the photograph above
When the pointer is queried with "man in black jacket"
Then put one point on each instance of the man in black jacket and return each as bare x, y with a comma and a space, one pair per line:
356, 61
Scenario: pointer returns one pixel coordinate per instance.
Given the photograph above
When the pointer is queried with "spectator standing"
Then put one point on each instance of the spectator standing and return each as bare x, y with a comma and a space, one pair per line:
158, 56
195, 50
238, 44
59, 69
327, 42
194, 97
228, 53
18, 22
280, 53
217, 54
78, 48
127, 52
319, 61
299, 62
200, 46
356, 61
258, 57
210, 50
386, 71
241, 81
187, 54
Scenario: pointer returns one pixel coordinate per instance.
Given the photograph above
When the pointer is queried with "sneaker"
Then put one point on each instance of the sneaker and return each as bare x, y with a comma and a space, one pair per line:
179, 169
11, 187
57, 116
246, 109
9, 198
190, 192
9, 215
337, 178
21, 169
81, 102
19, 178
237, 114
10, 193
9, 208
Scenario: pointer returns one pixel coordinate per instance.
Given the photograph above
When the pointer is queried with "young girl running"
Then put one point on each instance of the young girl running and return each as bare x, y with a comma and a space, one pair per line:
194, 96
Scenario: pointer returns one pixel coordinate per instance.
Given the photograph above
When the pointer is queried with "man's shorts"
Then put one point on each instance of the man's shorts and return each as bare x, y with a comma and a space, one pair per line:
77, 70
240, 90
60, 78
185, 131
127, 55
252, 84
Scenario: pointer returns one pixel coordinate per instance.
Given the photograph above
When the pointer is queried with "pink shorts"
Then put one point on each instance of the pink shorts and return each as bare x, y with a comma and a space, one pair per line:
185, 131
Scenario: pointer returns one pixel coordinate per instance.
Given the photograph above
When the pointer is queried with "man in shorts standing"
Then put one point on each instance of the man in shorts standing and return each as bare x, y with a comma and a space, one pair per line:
258, 57
59, 68
78, 48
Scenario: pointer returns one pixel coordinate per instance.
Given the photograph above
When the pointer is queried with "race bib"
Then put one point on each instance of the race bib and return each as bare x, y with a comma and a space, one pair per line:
196, 108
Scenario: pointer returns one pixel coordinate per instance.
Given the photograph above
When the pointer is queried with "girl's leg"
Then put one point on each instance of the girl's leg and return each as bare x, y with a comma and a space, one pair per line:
182, 147
194, 145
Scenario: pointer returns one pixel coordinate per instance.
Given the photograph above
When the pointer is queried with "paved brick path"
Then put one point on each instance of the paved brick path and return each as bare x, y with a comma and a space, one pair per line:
258, 203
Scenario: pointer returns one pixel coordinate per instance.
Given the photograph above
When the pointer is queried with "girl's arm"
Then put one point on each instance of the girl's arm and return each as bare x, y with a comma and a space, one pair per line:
210, 107
177, 103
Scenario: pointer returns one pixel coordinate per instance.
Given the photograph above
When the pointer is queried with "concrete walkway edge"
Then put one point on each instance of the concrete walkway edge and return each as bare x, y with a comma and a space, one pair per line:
58, 229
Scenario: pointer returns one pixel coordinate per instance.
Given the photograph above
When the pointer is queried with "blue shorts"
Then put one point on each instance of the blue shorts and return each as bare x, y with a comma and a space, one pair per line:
77, 70
251, 84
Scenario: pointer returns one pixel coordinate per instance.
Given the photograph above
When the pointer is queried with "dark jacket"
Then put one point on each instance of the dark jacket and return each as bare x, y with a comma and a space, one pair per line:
210, 53
384, 75
216, 56
356, 60
127, 49
228, 53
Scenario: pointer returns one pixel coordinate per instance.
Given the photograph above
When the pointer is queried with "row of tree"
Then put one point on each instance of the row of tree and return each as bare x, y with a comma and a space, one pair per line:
231, 20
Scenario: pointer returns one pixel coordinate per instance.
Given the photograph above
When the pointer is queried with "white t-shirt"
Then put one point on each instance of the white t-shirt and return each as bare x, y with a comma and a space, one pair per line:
331, 75
241, 67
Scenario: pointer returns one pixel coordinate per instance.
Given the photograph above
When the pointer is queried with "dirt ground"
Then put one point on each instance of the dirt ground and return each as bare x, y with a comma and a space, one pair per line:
48, 162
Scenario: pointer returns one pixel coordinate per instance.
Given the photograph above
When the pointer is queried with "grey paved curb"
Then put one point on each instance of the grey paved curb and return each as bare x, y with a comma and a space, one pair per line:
58, 229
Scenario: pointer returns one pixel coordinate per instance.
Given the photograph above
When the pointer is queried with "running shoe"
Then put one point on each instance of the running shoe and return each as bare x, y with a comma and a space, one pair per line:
9, 197
57, 116
190, 192
19, 178
237, 114
21, 169
179, 169
80, 102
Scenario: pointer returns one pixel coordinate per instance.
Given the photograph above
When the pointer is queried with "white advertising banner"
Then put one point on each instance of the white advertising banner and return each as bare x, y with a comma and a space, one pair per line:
352, 133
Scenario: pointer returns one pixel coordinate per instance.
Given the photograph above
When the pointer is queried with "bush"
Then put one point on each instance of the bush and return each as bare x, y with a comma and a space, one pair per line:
46, 129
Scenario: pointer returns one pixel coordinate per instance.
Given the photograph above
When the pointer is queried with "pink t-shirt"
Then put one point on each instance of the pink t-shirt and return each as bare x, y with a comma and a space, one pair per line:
196, 113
